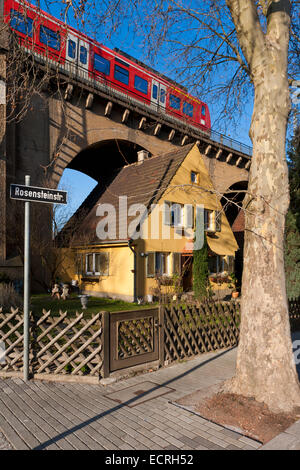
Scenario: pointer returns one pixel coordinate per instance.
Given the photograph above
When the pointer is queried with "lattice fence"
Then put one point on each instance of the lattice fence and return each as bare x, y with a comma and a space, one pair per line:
58, 344
294, 308
135, 337
92, 347
195, 330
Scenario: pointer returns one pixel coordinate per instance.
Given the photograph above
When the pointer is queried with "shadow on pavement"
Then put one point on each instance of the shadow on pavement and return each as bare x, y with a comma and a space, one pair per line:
128, 402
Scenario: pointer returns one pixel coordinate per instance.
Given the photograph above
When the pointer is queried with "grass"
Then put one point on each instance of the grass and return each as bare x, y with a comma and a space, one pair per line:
73, 305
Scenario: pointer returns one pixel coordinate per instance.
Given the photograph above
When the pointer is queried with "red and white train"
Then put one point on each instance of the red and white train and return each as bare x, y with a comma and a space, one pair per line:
112, 70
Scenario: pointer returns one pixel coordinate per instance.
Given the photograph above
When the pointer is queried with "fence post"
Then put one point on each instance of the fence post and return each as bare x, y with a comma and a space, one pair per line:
161, 333
105, 344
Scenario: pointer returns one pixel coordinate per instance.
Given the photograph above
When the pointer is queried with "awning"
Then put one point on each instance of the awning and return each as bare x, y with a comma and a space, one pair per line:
216, 245
224, 246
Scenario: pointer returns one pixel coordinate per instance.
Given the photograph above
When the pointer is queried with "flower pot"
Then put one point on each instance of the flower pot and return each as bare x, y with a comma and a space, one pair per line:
234, 295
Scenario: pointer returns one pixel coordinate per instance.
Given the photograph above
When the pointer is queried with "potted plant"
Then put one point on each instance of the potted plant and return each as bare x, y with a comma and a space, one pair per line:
233, 286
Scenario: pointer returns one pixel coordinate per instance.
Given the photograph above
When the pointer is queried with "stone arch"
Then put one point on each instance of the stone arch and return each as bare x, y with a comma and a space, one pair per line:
79, 153
233, 197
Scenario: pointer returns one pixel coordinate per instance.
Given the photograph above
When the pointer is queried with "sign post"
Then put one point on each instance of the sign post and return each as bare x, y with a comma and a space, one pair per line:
29, 193
26, 284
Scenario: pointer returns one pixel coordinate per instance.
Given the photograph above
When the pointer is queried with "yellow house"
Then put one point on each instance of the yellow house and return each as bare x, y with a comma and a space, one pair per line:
143, 225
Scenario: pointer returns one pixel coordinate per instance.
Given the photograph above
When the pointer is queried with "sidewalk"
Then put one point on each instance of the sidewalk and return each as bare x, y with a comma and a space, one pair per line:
136, 413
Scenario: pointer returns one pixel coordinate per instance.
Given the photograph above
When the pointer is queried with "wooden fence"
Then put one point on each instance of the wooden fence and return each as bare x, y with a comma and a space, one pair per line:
89, 348
294, 310
59, 345
195, 330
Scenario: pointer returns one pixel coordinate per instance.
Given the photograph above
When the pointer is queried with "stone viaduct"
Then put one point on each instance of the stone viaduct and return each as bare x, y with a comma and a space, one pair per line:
71, 124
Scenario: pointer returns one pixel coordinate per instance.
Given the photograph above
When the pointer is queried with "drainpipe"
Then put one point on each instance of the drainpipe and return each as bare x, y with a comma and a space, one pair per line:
130, 241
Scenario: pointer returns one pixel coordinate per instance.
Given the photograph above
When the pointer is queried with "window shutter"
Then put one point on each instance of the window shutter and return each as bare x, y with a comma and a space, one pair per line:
189, 216
166, 213
218, 219
176, 209
176, 263
150, 267
104, 262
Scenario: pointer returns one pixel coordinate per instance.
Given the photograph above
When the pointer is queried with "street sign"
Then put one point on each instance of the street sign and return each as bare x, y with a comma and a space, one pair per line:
36, 194
29, 193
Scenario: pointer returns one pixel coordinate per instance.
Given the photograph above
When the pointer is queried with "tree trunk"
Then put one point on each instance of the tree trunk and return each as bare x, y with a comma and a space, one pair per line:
265, 365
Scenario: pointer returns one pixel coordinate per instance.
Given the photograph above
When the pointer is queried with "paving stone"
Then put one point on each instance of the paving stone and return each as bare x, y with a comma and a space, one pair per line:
233, 447
82, 416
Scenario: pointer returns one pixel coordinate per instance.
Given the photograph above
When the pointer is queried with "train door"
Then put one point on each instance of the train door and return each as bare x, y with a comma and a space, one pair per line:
158, 95
83, 59
71, 53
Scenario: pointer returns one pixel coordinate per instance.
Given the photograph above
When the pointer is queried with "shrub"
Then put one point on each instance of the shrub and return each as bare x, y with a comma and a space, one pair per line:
9, 297
201, 273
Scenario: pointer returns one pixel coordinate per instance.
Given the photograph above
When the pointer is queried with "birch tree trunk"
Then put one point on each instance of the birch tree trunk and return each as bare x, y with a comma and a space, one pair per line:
265, 365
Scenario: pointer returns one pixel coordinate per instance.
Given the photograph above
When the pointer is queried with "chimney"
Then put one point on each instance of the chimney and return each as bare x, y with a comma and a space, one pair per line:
142, 155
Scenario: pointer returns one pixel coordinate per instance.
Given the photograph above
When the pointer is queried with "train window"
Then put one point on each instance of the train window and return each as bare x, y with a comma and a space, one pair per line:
49, 37
20, 23
175, 102
141, 84
203, 111
83, 55
122, 75
101, 64
154, 92
162, 95
71, 49
188, 109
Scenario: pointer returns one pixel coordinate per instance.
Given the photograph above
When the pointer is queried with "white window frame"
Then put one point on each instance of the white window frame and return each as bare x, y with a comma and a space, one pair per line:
178, 209
94, 272
220, 261
157, 253
197, 177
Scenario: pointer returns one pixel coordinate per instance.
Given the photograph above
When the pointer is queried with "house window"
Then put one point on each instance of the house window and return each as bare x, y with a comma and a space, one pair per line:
50, 38
176, 263
20, 23
212, 220
162, 264
173, 214
97, 264
194, 177
209, 220
157, 264
217, 264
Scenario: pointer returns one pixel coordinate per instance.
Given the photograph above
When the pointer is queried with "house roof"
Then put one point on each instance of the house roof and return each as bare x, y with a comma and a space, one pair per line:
239, 222
142, 183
